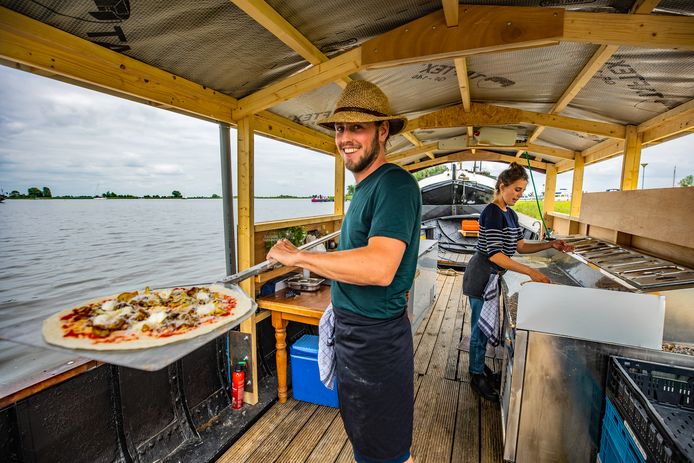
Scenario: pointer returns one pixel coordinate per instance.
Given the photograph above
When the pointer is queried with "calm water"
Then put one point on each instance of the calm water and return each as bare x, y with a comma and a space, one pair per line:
56, 253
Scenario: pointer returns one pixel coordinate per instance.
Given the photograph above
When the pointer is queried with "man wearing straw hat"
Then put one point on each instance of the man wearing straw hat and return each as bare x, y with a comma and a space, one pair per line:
372, 271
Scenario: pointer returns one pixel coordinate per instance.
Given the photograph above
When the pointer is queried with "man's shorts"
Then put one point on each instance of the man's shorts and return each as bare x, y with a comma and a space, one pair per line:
375, 376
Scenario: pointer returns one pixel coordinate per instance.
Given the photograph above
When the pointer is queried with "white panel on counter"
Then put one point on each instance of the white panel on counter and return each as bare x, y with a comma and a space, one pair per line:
592, 314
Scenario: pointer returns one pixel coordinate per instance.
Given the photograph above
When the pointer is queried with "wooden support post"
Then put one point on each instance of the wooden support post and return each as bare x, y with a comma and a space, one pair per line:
550, 188
577, 186
339, 208
631, 160
245, 235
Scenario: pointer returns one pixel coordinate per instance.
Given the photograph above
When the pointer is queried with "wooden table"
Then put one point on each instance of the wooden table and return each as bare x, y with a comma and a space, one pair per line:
307, 308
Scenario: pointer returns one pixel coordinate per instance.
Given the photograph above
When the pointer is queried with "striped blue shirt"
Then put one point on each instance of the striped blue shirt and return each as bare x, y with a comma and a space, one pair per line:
499, 231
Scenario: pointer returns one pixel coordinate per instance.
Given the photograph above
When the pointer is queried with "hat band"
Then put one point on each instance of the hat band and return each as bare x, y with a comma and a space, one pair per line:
354, 109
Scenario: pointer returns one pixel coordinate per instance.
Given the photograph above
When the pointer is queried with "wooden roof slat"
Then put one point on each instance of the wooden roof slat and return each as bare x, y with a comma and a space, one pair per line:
280, 128
596, 62
464, 85
300, 83
271, 20
679, 119
450, 11
462, 156
27, 41
409, 136
412, 152
44, 49
481, 29
484, 114
648, 31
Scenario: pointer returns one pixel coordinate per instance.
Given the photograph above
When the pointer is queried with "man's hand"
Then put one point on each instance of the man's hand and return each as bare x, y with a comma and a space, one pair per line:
284, 252
560, 245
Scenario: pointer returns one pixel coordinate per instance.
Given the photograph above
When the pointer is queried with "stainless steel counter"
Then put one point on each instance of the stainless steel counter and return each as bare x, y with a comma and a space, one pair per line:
553, 386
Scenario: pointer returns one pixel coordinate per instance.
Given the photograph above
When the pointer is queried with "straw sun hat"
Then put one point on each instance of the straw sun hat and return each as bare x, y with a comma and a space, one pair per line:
362, 101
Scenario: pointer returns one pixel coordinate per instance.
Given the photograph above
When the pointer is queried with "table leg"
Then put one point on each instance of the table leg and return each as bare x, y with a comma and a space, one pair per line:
280, 326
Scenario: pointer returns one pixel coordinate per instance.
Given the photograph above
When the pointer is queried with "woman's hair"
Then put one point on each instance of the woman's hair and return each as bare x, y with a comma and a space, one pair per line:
514, 172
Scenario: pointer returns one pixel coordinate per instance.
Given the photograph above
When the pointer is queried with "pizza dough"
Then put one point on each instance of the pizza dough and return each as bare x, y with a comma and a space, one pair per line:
144, 319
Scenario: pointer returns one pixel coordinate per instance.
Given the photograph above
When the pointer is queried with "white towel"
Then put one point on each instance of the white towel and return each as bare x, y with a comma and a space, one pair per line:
489, 318
326, 347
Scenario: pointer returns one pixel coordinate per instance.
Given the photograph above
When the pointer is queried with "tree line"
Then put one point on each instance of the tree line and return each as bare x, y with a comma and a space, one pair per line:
45, 193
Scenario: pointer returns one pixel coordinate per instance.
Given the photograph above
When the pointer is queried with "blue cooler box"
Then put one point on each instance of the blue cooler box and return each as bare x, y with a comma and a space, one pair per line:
306, 383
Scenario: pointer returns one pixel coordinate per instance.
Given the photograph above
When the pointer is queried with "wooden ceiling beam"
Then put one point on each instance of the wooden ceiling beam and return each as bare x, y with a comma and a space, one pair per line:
503, 29
464, 86
673, 122
604, 150
412, 138
300, 83
450, 11
484, 114
275, 23
596, 62
42, 49
462, 156
412, 152
647, 31
480, 29
28, 42
282, 129
564, 166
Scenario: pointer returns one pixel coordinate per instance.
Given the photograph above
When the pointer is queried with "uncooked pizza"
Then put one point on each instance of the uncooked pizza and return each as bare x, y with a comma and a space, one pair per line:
146, 318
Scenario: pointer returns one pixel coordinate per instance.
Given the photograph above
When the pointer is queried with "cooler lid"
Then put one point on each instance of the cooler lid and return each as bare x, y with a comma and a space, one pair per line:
307, 344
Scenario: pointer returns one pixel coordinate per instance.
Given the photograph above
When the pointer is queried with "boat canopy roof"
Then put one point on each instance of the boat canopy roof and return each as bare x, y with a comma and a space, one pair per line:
477, 81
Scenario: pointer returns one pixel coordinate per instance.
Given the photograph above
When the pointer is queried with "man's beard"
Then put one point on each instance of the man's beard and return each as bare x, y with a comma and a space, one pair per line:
368, 158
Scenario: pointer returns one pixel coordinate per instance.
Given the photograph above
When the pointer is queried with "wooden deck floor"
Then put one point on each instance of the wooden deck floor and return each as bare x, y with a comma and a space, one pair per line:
451, 424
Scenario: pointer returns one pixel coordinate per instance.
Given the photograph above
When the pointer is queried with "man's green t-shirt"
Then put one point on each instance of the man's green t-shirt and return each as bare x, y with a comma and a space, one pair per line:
386, 203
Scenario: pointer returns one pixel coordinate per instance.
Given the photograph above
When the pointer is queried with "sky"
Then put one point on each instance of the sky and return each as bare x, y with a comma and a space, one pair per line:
81, 142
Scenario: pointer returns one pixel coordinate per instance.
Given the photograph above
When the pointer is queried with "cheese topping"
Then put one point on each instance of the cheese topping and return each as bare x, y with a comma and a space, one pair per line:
156, 319
202, 296
204, 310
108, 305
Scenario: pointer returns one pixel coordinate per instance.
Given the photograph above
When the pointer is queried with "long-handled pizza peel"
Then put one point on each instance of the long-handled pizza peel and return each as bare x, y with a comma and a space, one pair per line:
28, 330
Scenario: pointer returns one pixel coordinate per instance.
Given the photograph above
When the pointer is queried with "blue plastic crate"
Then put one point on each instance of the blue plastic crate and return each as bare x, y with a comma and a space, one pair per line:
306, 383
617, 444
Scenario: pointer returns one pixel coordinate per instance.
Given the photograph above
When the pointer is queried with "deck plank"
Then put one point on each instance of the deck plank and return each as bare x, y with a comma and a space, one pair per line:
466, 439
330, 444
442, 424
346, 455
491, 445
451, 371
256, 435
426, 345
439, 358
303, 443
274, 445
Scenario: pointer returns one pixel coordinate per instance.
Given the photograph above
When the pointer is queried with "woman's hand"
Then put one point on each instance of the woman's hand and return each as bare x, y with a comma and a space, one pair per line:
560, 245
538, 276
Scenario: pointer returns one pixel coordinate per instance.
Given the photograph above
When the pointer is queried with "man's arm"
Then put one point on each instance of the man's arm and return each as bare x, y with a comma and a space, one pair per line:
374, 264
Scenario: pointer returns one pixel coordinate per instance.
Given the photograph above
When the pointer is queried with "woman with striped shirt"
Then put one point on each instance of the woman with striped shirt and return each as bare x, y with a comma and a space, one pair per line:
500, 237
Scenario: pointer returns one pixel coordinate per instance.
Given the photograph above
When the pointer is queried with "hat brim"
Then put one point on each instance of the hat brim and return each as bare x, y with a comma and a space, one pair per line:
396, 123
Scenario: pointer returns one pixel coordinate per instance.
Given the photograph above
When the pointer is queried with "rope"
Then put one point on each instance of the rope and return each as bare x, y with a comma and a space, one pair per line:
537, 201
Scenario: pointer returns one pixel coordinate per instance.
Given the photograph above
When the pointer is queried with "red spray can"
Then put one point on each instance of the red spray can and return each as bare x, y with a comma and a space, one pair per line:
238, 380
